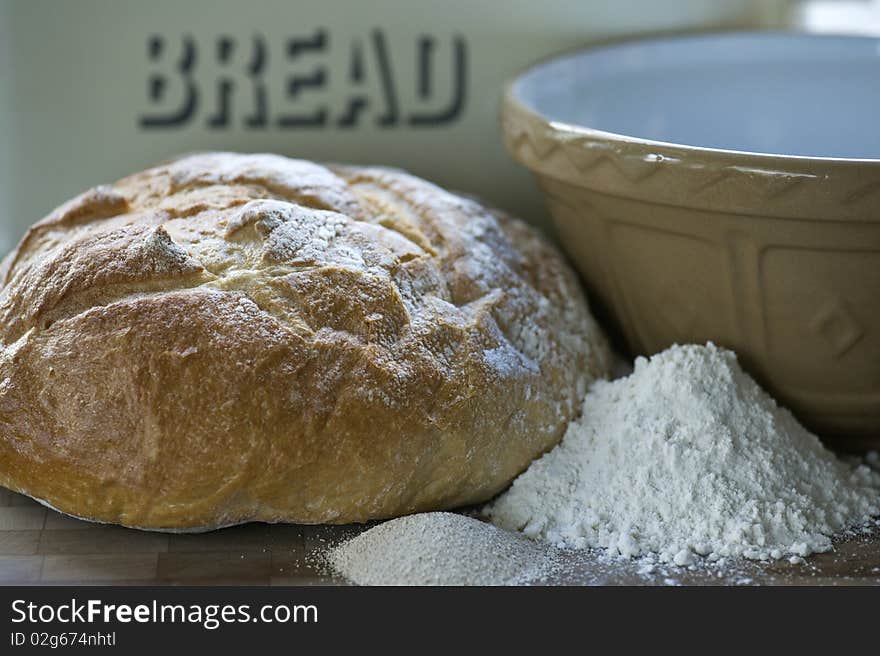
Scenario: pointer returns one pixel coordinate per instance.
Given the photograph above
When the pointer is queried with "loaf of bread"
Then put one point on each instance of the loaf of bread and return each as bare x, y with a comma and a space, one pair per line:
227, 338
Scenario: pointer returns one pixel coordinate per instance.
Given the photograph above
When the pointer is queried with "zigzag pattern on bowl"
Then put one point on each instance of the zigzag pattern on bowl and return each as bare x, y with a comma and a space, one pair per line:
681, 174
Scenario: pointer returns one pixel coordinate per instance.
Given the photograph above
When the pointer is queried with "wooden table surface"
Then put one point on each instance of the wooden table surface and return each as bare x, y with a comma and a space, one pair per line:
39, 546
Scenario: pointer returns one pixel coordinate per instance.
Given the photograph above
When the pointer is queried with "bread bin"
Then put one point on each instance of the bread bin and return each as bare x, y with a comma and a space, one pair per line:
413, 85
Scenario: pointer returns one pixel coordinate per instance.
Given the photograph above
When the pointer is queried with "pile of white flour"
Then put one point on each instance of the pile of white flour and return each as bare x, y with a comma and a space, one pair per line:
440, 548
688, 456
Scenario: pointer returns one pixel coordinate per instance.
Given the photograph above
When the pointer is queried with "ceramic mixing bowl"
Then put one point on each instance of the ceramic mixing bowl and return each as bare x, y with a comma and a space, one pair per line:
725, 187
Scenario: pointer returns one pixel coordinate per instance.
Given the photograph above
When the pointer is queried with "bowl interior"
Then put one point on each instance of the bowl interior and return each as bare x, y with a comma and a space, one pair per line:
785, 94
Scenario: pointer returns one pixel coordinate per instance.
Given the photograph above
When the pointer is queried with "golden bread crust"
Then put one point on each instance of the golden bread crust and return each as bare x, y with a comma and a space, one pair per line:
227, 338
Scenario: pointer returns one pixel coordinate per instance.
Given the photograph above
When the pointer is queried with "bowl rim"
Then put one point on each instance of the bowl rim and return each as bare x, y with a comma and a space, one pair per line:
759, 158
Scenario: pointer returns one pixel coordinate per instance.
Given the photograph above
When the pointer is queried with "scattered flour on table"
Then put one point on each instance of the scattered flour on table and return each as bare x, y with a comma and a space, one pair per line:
688, 457
440, 548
